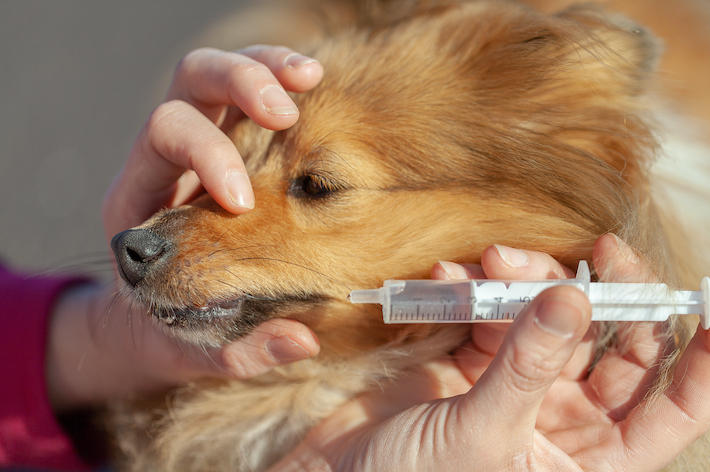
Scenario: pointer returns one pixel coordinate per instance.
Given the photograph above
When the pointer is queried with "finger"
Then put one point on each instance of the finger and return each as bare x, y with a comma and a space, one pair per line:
640, 346
444, 270
615, 261
537, 347
296, 72
176, 137
211, 79
503, 262
473, 360
680, 416
474, 357
500, 262
271, 344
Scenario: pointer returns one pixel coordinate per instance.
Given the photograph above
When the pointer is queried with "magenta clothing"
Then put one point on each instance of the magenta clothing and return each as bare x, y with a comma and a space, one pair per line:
30, 435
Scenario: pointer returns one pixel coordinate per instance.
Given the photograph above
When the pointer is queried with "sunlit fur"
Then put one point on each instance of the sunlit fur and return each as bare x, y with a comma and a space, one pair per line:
437, 131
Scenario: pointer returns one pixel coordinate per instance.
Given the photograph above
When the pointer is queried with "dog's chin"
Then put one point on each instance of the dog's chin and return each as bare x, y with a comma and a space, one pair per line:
220, 323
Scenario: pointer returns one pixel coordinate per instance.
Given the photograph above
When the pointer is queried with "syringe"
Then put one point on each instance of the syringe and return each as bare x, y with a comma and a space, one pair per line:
486, 300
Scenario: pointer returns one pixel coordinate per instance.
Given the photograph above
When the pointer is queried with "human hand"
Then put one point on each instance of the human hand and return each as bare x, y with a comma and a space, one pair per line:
524, 400
100, 348
183, 144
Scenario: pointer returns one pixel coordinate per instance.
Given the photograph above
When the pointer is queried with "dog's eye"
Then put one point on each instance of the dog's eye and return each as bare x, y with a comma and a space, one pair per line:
312, 186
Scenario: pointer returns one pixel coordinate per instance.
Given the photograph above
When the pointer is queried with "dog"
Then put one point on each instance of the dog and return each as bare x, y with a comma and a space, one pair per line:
440, 128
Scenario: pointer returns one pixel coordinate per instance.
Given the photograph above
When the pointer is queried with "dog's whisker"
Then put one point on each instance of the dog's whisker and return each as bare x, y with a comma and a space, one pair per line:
219, 238
85, 255
77, 266
229, 284
208, 355
314, 271
256, 330
113, 299
240, 248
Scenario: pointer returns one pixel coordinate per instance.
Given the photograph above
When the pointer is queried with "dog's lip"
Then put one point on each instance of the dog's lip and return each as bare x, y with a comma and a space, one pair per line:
219, 322
252, 308
172, 315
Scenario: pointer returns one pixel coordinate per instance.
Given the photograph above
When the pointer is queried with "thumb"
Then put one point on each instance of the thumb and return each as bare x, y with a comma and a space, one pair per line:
536, 348
274, 343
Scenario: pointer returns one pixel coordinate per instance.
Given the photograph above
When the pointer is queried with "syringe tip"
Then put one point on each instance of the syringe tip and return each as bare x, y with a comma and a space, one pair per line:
365, 296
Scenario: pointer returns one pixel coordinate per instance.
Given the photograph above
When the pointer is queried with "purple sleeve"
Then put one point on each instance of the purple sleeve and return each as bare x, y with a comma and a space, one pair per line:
30, 435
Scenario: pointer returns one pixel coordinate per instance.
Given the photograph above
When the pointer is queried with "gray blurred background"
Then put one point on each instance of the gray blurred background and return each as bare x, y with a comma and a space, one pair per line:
77, 80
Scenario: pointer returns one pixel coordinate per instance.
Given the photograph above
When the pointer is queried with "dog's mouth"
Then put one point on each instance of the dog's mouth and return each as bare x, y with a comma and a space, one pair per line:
180, 317
218, 323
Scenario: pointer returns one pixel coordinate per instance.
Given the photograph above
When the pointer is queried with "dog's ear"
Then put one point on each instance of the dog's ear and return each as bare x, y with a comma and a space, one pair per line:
617, 62
578, 80
613, 50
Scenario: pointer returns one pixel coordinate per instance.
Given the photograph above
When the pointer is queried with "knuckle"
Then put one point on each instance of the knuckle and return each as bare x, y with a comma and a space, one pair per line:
219, 150
530, 371
162, 113
243, 70
189, 62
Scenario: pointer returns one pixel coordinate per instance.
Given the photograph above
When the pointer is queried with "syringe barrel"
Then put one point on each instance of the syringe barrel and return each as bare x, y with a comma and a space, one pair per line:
459, 300
422, 300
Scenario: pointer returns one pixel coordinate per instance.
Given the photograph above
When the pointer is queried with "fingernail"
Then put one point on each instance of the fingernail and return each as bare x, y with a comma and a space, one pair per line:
453, 271
296, 60
276, 101
559, 318
285, 350
240, 191
512, 257
625, 251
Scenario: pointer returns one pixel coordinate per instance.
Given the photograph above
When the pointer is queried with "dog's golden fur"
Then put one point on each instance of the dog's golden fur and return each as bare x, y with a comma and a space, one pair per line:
439, 129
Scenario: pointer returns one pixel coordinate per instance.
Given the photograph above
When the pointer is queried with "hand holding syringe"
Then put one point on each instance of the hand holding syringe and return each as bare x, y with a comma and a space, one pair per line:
486, 300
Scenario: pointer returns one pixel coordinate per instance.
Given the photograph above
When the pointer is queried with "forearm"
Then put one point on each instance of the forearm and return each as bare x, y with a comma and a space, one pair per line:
76, 369
99, 348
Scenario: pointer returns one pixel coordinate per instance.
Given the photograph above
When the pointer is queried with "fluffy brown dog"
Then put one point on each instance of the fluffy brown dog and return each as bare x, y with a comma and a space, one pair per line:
436, 132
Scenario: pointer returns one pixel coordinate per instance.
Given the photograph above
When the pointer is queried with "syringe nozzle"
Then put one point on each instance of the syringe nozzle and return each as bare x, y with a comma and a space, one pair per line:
365, 296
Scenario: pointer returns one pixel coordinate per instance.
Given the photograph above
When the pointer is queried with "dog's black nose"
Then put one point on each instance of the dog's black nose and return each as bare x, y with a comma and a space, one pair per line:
137, 252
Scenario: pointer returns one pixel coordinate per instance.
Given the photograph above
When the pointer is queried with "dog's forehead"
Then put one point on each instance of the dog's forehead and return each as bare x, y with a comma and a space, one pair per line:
377, 98
407, 88
484, 95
